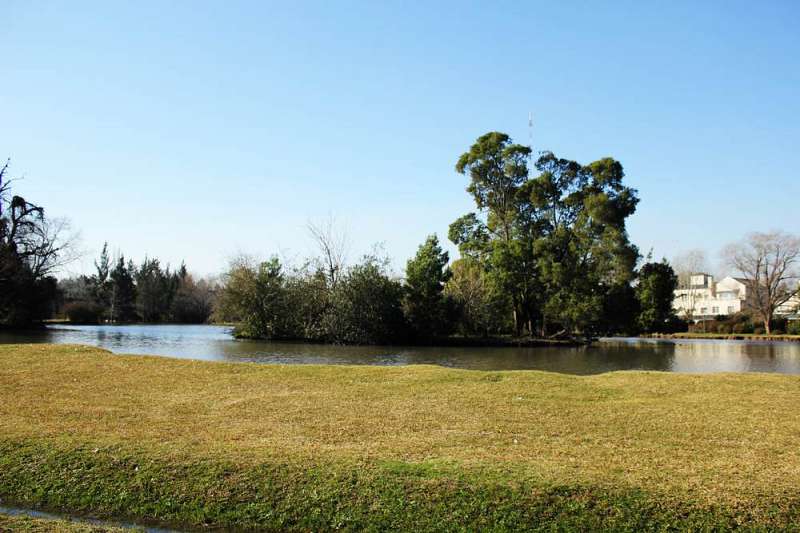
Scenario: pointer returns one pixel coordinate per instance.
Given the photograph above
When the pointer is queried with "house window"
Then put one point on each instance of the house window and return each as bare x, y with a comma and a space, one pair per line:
730, 309
715, 310
703, 310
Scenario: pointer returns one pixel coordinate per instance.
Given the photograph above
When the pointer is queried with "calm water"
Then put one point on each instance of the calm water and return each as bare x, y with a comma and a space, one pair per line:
215, 343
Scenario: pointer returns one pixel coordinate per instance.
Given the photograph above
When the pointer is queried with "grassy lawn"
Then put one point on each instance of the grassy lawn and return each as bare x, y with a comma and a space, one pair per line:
415, 448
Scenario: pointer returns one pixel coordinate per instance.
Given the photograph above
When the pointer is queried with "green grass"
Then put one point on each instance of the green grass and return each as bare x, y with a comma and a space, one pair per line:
414, 448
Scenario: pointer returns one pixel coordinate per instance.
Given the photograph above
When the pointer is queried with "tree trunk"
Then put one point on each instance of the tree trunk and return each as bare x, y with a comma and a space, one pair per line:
766, 324
518, 320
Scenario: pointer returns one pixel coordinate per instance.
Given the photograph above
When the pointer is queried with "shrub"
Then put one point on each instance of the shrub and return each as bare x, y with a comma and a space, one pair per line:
365, 307
83, 312
793, 328
758, 330
255, 295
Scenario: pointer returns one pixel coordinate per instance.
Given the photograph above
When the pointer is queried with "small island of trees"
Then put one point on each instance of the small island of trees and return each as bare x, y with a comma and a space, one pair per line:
543, 257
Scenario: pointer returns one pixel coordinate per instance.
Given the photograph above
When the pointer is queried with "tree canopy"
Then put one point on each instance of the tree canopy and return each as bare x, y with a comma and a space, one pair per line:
544, 253
654, 292
555, 243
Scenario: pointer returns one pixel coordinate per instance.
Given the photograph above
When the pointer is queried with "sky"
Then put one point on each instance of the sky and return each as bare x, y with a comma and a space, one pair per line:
195, 131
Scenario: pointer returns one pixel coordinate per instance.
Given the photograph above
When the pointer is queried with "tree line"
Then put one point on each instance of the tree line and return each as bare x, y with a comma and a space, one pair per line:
34, 246
122, 291
545, 256
545, 253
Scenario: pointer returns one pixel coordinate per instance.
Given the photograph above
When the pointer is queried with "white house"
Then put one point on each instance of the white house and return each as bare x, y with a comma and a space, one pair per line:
792, 306
704, 298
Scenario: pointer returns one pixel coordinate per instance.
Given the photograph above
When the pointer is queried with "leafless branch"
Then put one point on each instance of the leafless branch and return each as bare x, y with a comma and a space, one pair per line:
333, 246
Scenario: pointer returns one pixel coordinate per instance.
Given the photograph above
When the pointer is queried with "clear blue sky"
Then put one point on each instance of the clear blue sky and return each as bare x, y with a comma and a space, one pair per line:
190, 130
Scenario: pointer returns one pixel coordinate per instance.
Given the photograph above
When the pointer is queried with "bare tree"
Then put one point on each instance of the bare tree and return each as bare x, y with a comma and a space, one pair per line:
5, 186
32, 247
54, 246
687, 265
769, 262
43, 244
333, 246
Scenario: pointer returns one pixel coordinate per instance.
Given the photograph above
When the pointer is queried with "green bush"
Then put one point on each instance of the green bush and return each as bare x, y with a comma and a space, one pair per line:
365, 307
255, 295
793, 328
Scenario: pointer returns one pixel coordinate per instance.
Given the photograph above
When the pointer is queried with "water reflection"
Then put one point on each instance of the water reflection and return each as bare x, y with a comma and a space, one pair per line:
215, 343
736, 356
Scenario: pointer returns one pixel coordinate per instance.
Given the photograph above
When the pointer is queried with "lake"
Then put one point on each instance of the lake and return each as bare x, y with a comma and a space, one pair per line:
215, 343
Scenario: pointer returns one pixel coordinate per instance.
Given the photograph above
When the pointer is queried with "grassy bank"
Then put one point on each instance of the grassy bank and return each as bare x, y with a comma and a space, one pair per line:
417, 448
26, 524
728, 336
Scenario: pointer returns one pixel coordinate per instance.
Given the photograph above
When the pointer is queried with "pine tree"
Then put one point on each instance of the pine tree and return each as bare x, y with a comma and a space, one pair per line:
424, 304
123, 301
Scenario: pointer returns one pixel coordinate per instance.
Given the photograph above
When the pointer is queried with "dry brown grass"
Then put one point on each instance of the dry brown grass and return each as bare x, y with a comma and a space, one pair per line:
731, 438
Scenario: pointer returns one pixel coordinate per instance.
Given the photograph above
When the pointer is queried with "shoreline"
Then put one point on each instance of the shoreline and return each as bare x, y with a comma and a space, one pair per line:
24, 519
438, 342
724, 336
455, 342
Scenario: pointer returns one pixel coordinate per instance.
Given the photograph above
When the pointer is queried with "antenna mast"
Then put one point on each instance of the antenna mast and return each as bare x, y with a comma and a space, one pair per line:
530, 130
2, 172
